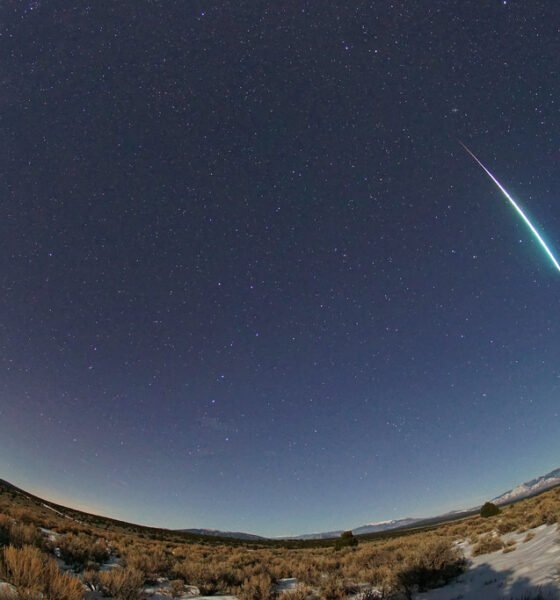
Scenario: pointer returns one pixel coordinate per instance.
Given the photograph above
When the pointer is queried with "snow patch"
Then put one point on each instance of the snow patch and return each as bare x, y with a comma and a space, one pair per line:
524, 572
54, 510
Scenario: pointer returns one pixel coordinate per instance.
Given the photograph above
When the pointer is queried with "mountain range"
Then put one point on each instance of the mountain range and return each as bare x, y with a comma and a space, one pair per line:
238, 535
361, 530
529, 488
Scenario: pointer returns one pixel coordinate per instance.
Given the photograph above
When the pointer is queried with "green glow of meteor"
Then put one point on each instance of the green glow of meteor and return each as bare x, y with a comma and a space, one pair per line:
518, 209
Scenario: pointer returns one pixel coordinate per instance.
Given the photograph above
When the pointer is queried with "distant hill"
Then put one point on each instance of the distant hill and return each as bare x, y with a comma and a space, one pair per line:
238, 535
325, 535
192, 535
530, 488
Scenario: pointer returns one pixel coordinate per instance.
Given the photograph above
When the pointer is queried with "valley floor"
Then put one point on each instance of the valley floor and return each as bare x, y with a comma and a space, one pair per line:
529, 572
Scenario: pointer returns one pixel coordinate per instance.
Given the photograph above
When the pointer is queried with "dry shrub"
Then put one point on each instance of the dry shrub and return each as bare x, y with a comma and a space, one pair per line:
507, 525
23, 568
61, 586
21, 534
487, 544
434, 563
438, 555
122, 583
176, 587
300, 592
4, 538
333, 589
36, 575
459, 531
152, 561
92, 580
208, 577
80, 550
23, 515
370, 594
305, 568
257, 587
384, 579
549, 516
530, 535
5, 520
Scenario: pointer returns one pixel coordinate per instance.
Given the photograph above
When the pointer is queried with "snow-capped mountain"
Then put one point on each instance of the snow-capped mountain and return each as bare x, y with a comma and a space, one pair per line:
361, 530
530, 488
384, 525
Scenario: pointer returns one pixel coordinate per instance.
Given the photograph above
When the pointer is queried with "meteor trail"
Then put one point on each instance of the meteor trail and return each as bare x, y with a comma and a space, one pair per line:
517, 208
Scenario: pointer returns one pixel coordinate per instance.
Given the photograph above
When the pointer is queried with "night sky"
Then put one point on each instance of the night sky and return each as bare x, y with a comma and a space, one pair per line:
251, 280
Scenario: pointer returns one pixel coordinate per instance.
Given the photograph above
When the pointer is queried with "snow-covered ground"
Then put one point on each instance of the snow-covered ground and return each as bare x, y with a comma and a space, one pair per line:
112, 563
51, 535
6, 589
54, 510
286, 585
161, 591
533, 567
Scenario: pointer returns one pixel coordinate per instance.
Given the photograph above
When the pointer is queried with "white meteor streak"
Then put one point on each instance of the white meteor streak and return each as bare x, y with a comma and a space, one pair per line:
517, 208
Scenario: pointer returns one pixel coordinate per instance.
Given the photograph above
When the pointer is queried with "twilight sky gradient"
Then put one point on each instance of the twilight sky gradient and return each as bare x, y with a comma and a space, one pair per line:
250, 280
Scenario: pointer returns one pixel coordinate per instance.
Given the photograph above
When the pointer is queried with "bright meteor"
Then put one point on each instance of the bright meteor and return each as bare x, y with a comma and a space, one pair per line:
517, 208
